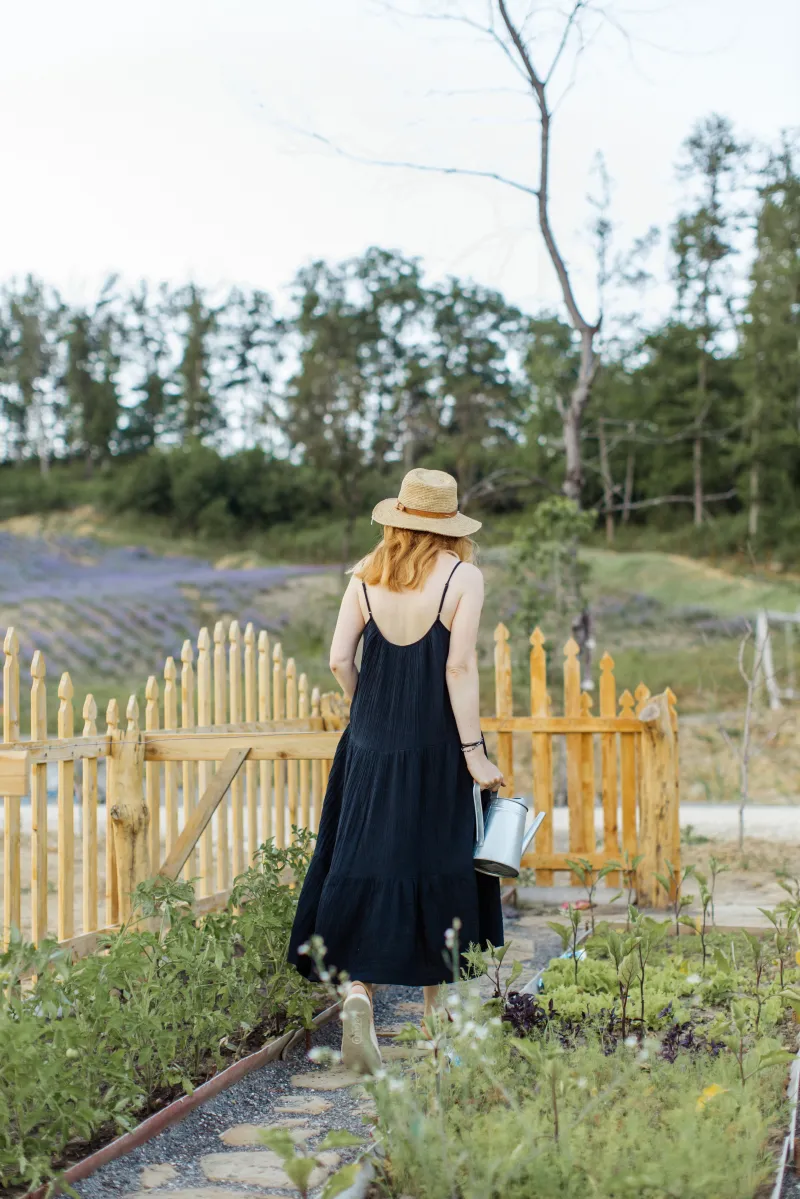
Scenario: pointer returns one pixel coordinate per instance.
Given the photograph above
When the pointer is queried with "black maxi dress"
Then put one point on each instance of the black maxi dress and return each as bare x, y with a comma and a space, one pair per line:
393, 866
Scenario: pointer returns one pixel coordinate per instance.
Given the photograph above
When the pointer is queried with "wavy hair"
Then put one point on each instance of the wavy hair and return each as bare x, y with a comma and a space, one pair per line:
403, 558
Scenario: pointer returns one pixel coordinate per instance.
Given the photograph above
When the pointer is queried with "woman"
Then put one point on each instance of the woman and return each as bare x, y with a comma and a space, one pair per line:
393, 863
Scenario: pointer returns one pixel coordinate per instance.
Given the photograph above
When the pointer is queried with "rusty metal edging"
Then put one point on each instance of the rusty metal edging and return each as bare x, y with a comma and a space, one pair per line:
174, 1112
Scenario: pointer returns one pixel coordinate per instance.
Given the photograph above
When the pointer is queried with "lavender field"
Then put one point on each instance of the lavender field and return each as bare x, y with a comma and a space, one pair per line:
112, 615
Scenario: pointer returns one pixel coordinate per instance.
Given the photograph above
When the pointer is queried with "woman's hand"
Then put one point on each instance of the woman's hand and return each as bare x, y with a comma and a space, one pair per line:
483, 771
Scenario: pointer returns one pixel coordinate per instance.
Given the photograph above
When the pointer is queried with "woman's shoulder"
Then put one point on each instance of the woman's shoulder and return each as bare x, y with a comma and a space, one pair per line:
468, 575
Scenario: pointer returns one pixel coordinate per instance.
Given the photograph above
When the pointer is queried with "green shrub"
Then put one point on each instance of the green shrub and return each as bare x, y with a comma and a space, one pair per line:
91, 1046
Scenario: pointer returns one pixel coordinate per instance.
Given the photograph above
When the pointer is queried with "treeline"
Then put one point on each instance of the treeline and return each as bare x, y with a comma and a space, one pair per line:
235, 409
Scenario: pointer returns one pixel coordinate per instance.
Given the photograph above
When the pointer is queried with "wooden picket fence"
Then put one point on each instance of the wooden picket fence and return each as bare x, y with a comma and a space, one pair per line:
237, 704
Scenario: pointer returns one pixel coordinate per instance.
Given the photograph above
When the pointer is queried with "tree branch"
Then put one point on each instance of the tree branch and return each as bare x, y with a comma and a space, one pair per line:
670, 499
416, 166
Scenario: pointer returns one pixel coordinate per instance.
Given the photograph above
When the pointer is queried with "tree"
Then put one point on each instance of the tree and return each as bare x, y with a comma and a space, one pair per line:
703, 242
770, 359
93, 349
197, 403
149, 325
31, 401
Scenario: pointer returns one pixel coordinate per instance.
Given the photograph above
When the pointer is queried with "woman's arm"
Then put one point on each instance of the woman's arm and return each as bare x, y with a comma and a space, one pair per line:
346, 636
462, 679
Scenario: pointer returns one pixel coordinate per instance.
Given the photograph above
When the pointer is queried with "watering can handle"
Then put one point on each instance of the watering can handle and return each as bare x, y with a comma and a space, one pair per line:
479, 829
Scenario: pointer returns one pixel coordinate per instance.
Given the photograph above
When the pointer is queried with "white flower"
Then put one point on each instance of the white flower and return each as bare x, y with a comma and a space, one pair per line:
582, 1083
481, 1032
495, 1021
450, 938
304, 949
694, 979
396, 1084
631, 1042
454, 1001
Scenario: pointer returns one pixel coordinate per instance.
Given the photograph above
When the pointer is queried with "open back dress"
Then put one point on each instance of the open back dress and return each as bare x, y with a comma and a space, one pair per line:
393, 864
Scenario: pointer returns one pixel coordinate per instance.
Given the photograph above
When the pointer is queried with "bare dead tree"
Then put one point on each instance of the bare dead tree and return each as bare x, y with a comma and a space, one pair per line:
513, 37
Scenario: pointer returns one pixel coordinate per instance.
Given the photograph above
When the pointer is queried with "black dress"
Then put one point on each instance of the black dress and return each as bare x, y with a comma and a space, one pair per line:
393, 861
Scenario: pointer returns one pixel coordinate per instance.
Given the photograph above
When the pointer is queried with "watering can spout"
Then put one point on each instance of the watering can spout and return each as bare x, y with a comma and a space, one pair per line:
531, 832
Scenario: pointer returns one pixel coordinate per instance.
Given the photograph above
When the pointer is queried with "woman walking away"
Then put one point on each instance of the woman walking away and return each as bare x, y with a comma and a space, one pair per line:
393, 863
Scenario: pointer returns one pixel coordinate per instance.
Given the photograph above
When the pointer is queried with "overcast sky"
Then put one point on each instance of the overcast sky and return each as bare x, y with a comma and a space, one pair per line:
156, 138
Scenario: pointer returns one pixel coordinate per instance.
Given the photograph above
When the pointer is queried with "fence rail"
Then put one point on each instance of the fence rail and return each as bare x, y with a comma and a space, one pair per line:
137, 791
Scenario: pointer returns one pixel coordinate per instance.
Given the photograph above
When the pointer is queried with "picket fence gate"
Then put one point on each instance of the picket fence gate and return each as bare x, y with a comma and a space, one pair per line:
240, 737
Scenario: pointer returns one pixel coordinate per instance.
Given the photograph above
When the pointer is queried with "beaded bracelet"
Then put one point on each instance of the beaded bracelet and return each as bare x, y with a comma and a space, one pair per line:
473, 745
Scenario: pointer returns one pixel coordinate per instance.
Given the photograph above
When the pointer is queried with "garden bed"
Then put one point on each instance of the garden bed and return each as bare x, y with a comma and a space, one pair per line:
92, 1048
653, 1066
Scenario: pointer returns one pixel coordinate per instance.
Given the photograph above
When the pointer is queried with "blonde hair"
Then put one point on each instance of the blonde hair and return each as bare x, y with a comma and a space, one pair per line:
403, 558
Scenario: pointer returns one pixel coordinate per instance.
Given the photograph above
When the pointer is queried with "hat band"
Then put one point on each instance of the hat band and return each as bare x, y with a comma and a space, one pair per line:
422, 512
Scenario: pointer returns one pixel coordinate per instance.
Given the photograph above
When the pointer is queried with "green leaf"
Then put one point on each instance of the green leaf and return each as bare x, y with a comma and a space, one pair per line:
341, 1180
299, 1171
340, 1138
279, 1141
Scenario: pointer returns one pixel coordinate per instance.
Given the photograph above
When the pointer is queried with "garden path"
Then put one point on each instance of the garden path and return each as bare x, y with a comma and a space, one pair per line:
214, 1153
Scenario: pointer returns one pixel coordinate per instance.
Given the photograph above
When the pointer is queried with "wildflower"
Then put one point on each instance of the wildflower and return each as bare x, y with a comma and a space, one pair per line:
694, 979
304, 949
454, 1001
631, 1042
582, 1083
396, 1084
481, 1032
709, 1093
450, 938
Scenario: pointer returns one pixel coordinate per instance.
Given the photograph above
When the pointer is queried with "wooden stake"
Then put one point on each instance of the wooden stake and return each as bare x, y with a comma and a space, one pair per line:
12, 841
220, 717
38, 804
235, 716
542, 755
152, 775
189, 768
627, 764
204, 770
251, 714
89, 799
170, 770
316, 772
279, 770
129, 814
504, 706
66, 817
112, 892
264, 771
305, 765
292, 767
658, 799
608, 764
578, 845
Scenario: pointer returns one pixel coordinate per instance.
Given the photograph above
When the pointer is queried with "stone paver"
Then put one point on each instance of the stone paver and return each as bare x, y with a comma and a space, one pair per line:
194, 1193
250, 1134
157, 1175
331, 1080
260, 1167
310, 1104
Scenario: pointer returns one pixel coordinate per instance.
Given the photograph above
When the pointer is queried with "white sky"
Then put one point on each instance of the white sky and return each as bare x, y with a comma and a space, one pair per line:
152, 138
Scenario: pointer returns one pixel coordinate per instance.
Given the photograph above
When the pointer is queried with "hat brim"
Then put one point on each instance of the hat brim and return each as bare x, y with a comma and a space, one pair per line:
387, 513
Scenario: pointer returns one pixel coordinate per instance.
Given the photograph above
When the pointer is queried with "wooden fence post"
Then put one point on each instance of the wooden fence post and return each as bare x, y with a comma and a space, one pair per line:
237, 789
38, 804
250, 712
608, 764
170, 768
574, 749
627, 767
504, 706
152, 775
220, 717
263, 715
189, 768
305, 774
658, 800
316, 770
89, 809
542, 753
12, 873
279, 768
291, 767
587, 775
66, 816
206, 882
129, 814
112, 894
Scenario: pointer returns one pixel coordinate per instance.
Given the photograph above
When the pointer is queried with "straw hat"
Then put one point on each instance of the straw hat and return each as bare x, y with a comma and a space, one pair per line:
428, 503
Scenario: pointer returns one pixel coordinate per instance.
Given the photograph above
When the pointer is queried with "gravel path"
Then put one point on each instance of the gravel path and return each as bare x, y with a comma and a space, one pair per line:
192, 1161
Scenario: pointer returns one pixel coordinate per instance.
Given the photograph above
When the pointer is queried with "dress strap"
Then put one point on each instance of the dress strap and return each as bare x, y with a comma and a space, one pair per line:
366, 597
447, 584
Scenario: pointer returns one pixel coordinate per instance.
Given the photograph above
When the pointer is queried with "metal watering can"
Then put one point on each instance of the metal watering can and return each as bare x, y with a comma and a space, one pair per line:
501, 838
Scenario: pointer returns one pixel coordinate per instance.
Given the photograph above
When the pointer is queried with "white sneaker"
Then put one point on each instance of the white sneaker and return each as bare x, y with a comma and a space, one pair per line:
360, 1050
